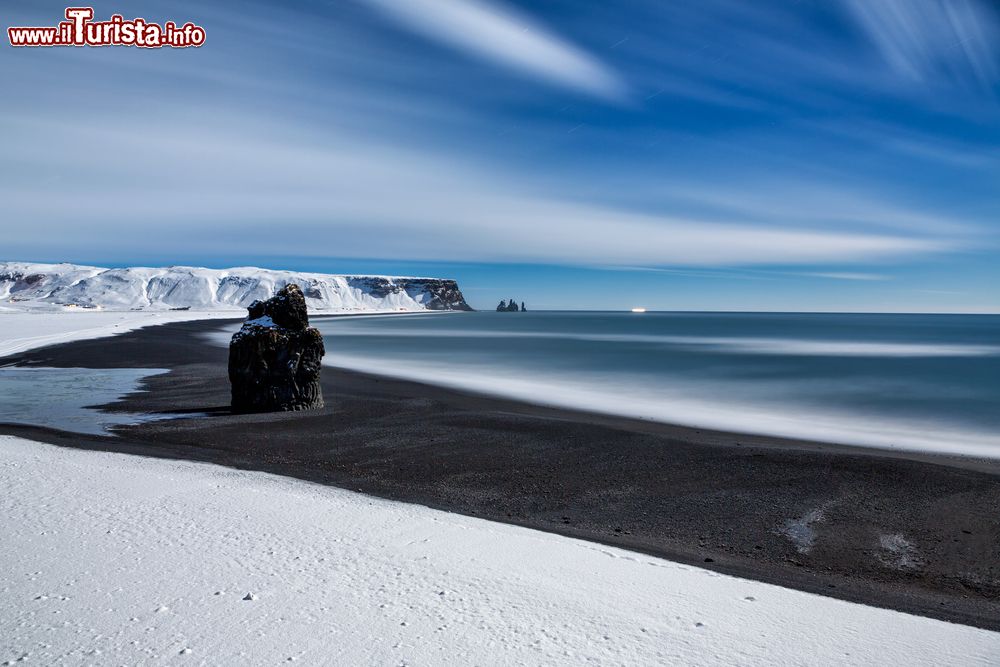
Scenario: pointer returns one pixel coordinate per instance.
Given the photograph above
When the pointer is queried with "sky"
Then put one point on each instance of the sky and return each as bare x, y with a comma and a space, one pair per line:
839, 155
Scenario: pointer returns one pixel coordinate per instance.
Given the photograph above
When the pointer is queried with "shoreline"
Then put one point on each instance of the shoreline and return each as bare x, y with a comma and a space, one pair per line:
682, 493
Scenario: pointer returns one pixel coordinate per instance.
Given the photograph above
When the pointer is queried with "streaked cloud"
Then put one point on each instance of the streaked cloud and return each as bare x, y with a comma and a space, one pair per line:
337, 194
845, 275
759, 142
498, 34
924, 38
755, 274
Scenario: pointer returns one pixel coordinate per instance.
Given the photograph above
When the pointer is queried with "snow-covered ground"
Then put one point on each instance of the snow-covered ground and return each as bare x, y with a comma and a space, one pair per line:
116, 559
21, 331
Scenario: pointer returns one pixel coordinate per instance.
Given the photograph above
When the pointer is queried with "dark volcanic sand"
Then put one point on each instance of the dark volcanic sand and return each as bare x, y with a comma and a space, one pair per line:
718, 500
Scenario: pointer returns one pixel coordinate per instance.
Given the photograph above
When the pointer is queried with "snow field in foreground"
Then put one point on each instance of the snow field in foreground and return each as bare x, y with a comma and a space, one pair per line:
116, 559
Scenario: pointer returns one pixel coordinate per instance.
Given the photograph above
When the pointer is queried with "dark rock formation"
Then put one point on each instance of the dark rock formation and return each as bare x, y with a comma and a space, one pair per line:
275, 358
434, 293
510, 307
445, 294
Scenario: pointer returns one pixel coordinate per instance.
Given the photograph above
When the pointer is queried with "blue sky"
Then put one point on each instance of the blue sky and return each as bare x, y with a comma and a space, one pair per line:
709, 154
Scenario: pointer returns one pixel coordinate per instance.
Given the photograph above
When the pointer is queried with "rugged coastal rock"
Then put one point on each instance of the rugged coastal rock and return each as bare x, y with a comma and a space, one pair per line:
510, 307
433, 293
275, 358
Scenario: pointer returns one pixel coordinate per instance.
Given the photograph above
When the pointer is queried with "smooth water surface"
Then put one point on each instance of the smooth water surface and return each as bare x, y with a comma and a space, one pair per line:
925, 382
59, 397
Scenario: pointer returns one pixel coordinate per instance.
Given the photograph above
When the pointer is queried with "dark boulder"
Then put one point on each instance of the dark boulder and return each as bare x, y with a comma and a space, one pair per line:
276, 357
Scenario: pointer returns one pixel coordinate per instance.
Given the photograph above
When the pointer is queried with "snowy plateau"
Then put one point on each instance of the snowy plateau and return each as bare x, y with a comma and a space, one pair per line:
26, 286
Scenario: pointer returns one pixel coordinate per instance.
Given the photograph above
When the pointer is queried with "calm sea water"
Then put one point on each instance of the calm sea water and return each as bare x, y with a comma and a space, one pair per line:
922, 382
62, 398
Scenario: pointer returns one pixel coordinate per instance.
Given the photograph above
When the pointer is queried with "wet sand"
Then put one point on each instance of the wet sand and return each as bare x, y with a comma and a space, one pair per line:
913, 532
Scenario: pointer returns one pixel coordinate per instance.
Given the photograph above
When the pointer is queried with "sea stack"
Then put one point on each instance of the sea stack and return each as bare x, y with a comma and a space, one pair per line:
275, 358
510, 307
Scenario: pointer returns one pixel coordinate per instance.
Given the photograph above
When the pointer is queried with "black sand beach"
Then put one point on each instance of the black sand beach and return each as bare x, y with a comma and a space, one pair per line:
917, 533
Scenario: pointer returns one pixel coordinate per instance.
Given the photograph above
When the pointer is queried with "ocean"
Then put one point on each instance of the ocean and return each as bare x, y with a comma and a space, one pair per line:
913, 382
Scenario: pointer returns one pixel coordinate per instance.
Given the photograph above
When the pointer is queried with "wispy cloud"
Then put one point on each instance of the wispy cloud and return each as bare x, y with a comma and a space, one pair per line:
845, 275
339, 195
771, 145
924, 38
502, 36
754, 274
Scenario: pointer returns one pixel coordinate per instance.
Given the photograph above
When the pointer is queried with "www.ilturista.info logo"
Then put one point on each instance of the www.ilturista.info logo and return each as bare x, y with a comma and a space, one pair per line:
79, 29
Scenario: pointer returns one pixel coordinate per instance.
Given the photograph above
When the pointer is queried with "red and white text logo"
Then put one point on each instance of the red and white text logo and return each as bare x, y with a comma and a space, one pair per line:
80, 29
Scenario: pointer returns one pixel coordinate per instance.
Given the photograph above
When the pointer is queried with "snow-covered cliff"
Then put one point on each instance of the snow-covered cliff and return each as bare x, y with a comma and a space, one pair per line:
55, 286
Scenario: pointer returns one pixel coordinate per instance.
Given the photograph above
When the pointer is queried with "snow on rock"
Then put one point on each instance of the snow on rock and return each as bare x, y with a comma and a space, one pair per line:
125, 557
67, 286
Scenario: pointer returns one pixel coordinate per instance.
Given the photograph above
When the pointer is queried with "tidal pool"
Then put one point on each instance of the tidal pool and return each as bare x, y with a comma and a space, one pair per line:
64, 398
